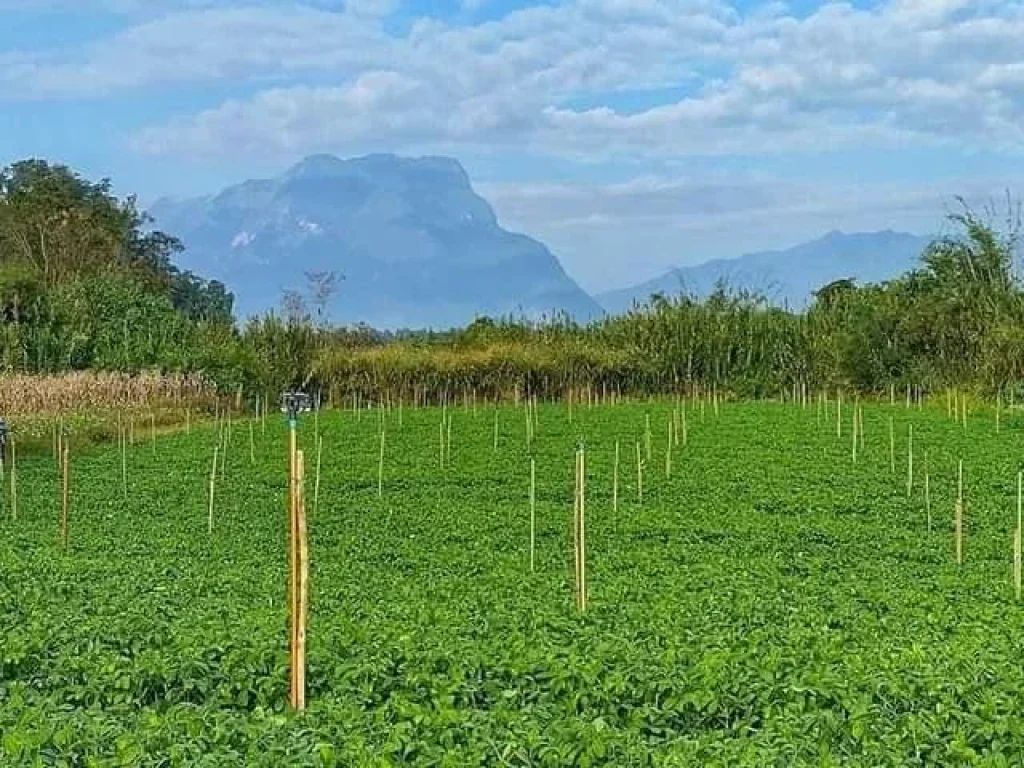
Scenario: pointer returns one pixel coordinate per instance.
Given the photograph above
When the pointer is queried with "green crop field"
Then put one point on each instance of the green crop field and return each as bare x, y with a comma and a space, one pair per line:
772, 603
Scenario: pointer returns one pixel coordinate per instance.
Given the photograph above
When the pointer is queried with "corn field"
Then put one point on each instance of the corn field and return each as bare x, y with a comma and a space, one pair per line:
81, 391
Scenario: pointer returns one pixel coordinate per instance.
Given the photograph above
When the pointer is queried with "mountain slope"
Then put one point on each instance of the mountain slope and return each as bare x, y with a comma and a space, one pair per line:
789, 276
416, 246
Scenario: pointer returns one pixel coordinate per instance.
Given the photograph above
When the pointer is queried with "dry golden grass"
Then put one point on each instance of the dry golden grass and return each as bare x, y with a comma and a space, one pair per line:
84, 391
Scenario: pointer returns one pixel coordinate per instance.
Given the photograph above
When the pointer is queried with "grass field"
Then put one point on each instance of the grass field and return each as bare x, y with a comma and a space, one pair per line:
770, 604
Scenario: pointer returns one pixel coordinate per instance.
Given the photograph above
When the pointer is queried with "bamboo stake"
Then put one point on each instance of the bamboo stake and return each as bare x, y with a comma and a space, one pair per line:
293, 559
1016, 540
496, 430
579, 528
225, 435
316, 479
252, 445
65, 496
188, 421
910, 459
302, 591
668, 453
927, 494
958, 515
639, 477
380, 468
615, 483
892, 447
14, 481
124, 465
533, 513
213, 483
440, 449
860, 427
448, 448
853, 437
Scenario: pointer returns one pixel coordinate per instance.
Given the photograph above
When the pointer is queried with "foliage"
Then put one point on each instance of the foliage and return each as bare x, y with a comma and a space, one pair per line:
799, 617
84, 283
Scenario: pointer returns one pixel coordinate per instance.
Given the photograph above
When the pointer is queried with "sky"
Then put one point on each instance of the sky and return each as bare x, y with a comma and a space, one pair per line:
630, 136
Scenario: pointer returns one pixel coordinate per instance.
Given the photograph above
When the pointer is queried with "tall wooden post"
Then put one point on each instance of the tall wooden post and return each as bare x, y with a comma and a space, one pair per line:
299, 572
65, 498
579, 528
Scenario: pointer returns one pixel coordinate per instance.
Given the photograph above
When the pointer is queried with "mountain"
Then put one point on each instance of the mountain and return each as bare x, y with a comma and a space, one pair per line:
789, 276
415, 246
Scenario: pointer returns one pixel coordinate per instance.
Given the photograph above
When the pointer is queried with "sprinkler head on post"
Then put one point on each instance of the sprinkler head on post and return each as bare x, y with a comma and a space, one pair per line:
293, 403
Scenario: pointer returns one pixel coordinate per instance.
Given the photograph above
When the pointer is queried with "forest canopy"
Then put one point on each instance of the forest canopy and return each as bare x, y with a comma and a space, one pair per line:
85, 282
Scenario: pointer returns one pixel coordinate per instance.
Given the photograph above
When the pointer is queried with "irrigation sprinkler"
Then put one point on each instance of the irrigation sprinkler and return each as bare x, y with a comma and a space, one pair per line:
293, 403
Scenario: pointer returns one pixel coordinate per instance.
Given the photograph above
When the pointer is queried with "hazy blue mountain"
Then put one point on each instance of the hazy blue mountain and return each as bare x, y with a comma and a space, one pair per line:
789, 276
416, 245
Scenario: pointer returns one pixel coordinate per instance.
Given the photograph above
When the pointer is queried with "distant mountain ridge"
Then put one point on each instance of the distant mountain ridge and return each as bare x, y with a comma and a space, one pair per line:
786, 277
416, 246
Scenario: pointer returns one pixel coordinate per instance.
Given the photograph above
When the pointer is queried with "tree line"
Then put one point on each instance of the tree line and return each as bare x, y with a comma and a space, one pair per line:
86, 283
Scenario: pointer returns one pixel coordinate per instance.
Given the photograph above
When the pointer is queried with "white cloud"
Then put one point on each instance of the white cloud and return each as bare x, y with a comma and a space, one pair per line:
909, 72
194, 46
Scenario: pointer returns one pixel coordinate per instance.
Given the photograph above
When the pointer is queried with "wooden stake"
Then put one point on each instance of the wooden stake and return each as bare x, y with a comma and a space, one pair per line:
892, 447
639, 477
213, 483
615, 483
124, 465
1016, 540
579, 529
380, 468
225, 435
533, 512
910, 459
440, 449
958, 515
301, 589
14, 481
65, 498
668, 453
853, 436
927, 494
448, 447
316, 479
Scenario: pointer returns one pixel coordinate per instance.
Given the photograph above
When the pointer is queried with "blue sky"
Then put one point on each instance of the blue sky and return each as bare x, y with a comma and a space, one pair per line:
629, 135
